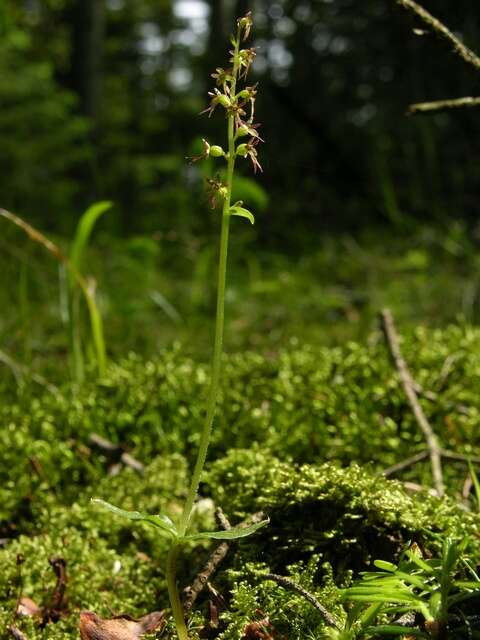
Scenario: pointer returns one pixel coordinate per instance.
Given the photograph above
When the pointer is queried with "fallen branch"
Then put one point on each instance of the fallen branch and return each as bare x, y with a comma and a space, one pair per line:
442, 105
192, 592
442, 31
117, 452
16, 633
20, 371
433, 396
421, 455
409, 388
405, 464
289, 584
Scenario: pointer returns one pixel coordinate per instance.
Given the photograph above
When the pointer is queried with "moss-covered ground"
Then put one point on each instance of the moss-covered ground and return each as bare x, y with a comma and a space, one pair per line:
303, 434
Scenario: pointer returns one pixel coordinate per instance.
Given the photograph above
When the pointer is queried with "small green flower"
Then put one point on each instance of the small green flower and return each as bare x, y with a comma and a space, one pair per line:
216, 190
222, 76
245, 24
214, 151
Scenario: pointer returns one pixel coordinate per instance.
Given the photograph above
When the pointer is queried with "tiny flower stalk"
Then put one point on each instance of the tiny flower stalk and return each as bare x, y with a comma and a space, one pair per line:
242, 142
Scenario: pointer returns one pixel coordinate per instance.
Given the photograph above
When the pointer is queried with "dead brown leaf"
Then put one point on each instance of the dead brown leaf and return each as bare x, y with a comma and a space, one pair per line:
26, 607
93, 627
258, 630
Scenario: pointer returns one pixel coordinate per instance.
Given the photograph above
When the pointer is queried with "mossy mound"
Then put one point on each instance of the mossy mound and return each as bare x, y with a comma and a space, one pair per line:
302, 435
326, 524
305, 404
349, 515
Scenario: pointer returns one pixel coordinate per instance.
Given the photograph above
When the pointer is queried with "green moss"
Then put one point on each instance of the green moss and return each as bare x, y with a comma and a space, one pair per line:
326, 524
302, 435
306, 404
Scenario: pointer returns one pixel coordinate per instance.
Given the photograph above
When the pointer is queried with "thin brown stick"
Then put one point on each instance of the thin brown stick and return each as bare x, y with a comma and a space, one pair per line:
289, 584
409, 388
19, 371
442, 31
192, 592
421, 455
117, 451
53, 611
433, 396
404, 464
442, 105
16, 633
459, 457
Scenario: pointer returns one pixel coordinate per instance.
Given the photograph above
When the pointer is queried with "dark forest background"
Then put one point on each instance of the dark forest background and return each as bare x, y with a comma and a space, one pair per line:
359, 206
100, 99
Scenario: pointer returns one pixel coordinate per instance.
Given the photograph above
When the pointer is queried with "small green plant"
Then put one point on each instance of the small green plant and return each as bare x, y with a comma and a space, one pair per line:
77, 283
428, 588
243, 138
79, 245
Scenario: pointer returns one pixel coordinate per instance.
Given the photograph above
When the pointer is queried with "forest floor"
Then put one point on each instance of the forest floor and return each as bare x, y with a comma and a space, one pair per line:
316, 428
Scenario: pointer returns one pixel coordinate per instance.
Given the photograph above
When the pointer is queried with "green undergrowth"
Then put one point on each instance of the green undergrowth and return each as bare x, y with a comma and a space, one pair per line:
302, 434
304, 404
326, 525
156, 288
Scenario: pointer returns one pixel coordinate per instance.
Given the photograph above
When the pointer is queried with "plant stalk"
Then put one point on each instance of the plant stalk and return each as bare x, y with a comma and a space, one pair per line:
220, 315
177, 608
212, 398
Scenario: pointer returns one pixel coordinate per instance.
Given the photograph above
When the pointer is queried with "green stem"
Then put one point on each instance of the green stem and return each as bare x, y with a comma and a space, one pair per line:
216, 367
177, 608
220, 316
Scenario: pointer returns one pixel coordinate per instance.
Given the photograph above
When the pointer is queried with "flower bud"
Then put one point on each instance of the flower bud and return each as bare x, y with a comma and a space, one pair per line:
242, 150
224, 101
245, 24
216, 151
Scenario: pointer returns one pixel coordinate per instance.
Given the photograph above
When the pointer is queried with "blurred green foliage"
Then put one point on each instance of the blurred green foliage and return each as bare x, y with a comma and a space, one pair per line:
305, 404
100, 101
154, 289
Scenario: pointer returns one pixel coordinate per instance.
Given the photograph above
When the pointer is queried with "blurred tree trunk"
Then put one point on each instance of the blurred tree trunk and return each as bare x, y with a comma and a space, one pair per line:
86, 20
87, 32
216, 38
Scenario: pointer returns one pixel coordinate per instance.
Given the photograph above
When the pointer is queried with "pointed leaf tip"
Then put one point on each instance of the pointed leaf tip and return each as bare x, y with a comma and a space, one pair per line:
229, 534
159, 521
237, 210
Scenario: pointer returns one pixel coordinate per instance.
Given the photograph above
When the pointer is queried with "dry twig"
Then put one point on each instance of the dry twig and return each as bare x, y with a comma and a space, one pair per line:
466, 54
16, 633
192, 592
404, 464
116, 452
442, 31
288, 583
409, 388
442, 105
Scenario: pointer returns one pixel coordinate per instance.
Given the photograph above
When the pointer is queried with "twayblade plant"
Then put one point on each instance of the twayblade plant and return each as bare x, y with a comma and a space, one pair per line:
238, 104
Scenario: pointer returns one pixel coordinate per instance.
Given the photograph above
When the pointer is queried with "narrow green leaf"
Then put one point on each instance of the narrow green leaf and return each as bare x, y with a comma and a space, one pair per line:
242, 212
397, 630
371, 613
414, 580
385, 566
84, 230
419, 561
230, 534
160, 521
